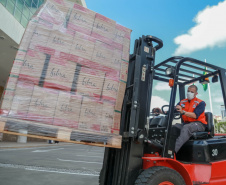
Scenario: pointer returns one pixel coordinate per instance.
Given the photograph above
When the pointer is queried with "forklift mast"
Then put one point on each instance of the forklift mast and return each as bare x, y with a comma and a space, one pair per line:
122, 166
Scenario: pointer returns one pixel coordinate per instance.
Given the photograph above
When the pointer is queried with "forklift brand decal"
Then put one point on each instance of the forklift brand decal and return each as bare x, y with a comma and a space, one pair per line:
214, 152
146, 49
143, 73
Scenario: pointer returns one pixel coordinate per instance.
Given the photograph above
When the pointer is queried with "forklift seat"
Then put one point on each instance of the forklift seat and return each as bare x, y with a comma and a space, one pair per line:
209, 132
158, 121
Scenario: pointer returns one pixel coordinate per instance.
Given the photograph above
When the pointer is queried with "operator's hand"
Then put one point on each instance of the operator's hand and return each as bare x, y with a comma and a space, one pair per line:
179, 109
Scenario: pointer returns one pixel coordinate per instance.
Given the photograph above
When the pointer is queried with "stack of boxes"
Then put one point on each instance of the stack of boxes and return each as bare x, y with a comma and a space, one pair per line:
70, 70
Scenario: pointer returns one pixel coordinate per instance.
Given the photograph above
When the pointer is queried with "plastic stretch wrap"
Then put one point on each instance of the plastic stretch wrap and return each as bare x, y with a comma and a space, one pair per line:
69, 75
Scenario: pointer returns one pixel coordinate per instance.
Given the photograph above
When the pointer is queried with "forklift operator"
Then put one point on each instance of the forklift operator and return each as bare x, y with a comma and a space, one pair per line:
192, 110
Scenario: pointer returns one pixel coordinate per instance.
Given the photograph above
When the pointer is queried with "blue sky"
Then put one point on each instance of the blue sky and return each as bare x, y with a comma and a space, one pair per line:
190, 28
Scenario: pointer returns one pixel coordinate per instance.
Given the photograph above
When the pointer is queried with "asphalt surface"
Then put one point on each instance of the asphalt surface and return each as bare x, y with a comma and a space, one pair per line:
53, 164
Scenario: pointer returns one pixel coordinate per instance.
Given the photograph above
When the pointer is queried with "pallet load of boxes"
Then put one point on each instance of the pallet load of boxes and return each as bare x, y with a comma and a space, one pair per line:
68, 78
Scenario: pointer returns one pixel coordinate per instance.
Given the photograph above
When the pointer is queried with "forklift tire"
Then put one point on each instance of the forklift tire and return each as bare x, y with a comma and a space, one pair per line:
159, 175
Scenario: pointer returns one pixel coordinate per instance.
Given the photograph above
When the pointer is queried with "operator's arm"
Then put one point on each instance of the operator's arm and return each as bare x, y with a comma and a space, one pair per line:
198, 110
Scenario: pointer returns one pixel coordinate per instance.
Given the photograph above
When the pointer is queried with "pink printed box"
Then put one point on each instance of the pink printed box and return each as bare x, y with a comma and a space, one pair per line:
81, 19
67, 110
39, 37
60, 41
103, 54
116, 125
107, 117
90, 82
83, 46
120, 96
110, 89
32, 67
54, 13
90, 116
103, 28
59, 74
21, 99
43, 105
121, 36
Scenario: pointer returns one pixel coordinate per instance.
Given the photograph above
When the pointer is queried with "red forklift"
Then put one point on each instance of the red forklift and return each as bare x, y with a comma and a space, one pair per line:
147, 155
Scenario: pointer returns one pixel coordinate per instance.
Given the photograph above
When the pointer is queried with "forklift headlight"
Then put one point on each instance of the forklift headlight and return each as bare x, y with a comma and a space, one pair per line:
170, 71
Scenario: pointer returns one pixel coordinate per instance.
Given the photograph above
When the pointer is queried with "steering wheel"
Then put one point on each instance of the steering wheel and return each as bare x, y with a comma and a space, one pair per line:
177, 114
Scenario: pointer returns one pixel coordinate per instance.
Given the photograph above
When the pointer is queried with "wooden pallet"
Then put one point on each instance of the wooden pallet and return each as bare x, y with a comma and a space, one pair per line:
57, 133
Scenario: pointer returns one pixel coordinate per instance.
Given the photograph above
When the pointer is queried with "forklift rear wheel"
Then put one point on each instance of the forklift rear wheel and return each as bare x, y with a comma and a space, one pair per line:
160, 175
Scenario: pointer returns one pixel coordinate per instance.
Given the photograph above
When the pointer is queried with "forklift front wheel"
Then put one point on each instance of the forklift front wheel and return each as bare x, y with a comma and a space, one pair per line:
159, 175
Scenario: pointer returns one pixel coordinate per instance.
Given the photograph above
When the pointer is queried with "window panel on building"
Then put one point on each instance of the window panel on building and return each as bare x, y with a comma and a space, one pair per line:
10, 4
3, 2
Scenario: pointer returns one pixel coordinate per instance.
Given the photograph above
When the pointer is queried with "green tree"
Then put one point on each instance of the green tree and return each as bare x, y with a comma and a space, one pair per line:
220, 127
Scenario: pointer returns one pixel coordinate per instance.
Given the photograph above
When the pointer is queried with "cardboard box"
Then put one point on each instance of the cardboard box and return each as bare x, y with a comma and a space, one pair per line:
121, 34
39, 37
43, 105
107, 117
116, 125
54, 12
120, 96
125, 53
81, 19
90, 115
33, 66
103, 28
60, 41
67, 110
116, 59
21, 99
25, 41
83, 46
103, 54
110, 89
18, 62
11, 83
60, 74
124, 71
90, 82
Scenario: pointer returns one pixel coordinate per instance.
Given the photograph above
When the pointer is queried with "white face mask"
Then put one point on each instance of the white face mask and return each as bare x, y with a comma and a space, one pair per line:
190, 95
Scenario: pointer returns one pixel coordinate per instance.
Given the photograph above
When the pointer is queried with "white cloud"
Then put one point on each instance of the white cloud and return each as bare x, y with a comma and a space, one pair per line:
157, 101
161, 86
209, 31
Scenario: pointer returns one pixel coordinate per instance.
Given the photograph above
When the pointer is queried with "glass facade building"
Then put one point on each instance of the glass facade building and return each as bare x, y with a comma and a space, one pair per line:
22, 10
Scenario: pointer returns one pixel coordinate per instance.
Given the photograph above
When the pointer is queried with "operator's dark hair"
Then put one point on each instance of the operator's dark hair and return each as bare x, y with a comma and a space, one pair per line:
194, 86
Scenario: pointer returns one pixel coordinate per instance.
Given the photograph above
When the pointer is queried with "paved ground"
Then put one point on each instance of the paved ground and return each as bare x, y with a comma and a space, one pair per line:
52, 164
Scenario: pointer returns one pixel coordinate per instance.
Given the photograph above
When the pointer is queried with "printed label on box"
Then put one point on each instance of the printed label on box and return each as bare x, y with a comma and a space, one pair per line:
90, 82
43, 105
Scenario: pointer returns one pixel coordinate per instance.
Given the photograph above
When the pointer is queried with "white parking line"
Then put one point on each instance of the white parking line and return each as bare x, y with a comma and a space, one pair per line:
32, 148
79, 161
47, 150
89, 156
51, 170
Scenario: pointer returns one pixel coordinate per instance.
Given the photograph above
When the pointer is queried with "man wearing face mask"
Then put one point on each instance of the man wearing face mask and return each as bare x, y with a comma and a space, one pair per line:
192, 110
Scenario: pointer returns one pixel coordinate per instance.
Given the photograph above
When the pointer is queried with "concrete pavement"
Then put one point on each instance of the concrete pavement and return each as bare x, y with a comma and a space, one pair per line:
40, 163
28, 144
